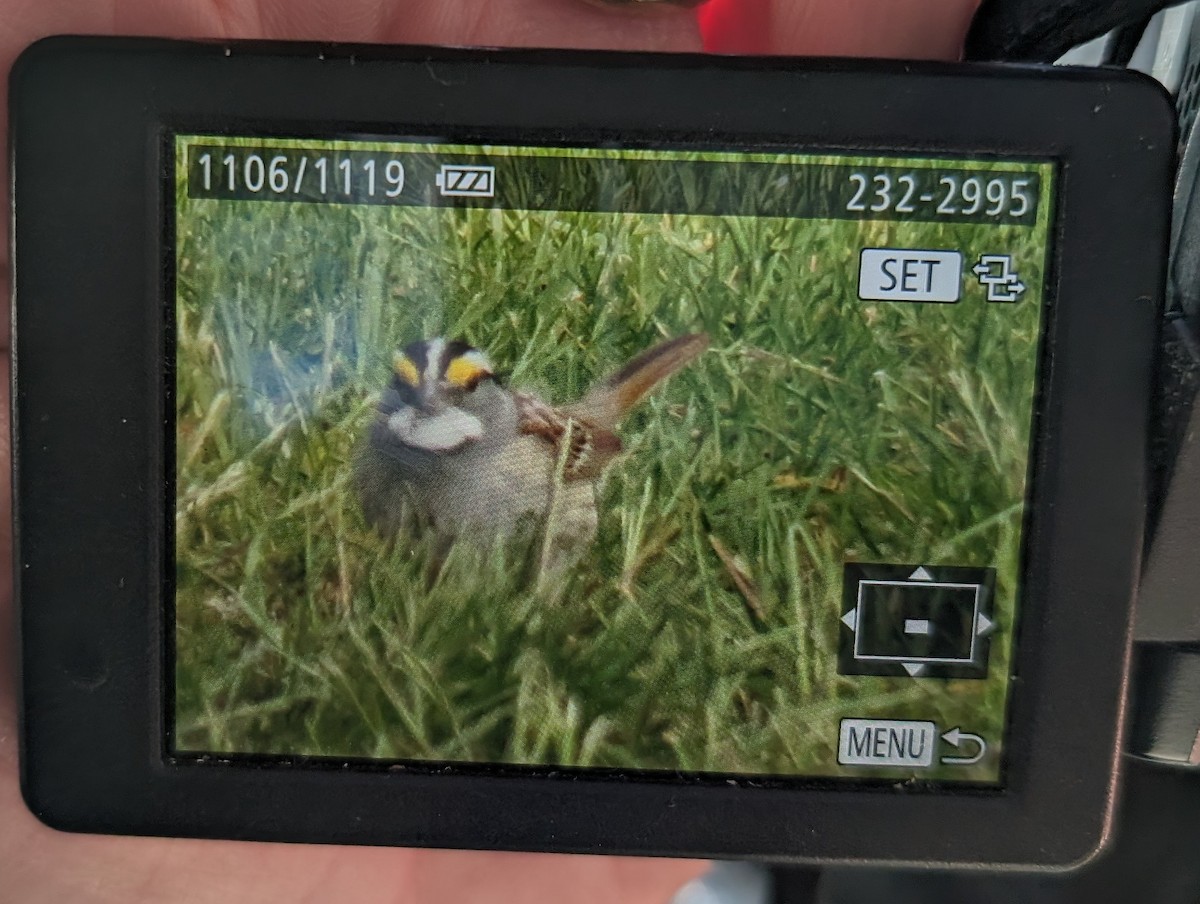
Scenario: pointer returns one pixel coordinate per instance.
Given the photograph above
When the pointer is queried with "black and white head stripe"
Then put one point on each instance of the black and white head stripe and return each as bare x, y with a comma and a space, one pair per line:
435, 360
429, 361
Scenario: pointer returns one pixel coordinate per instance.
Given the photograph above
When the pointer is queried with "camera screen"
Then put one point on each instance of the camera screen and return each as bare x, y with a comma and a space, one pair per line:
661, 460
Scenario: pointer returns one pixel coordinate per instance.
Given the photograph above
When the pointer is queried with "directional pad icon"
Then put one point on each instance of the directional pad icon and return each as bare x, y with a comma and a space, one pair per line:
918, 621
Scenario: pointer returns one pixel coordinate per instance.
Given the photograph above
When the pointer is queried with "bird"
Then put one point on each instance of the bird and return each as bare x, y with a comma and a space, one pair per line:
453, 451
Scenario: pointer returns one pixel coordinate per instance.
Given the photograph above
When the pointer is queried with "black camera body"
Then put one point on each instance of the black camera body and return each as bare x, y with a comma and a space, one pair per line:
438, 448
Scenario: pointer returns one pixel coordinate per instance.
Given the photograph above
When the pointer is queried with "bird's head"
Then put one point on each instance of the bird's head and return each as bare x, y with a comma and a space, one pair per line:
432, 375
431, 400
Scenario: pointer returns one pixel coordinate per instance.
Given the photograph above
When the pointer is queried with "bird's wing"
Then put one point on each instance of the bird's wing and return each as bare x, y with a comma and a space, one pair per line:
589, 447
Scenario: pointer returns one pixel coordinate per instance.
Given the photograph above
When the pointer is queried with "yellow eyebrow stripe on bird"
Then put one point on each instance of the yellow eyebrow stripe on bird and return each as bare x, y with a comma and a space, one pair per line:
406, 370
465, 371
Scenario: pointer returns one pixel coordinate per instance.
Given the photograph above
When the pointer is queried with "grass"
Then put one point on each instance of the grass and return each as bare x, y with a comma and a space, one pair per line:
700, 633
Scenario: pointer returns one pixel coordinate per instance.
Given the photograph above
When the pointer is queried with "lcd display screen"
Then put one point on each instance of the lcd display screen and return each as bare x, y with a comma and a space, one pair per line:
671, 461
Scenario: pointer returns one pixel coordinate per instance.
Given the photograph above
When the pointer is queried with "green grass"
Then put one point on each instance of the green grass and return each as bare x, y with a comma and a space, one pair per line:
816, 429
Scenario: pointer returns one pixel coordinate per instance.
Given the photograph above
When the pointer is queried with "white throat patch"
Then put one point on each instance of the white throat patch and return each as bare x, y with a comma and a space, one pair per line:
445, 431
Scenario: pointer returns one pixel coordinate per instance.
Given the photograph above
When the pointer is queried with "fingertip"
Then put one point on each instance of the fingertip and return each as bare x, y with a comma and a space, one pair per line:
736, 26
577, 24
902, 29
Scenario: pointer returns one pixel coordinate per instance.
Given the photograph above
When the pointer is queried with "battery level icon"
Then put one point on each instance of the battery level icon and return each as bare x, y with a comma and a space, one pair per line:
460, 180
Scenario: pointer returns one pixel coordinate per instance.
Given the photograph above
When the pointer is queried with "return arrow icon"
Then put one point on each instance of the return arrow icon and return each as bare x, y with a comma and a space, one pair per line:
956, 737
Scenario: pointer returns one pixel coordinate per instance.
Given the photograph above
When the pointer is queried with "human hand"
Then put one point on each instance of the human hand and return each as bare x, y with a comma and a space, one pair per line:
38, 863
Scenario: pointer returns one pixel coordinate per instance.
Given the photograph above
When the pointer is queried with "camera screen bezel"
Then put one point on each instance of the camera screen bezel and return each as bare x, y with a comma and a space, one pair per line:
91, 370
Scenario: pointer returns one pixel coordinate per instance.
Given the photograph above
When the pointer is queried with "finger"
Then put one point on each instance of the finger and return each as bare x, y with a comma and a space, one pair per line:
505, 23
902, 29
908, 29
537, 878
530, 23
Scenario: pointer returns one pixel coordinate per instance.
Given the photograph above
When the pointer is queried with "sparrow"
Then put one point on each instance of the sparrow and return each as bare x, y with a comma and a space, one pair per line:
453, 450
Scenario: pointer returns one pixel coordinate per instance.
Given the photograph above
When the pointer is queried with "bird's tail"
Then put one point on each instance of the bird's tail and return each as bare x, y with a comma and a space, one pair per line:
611, 399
